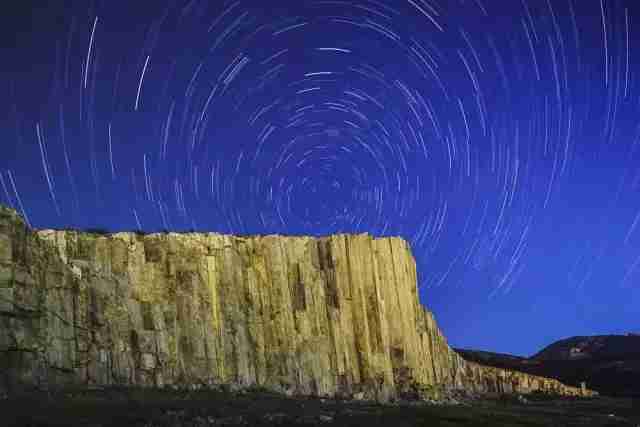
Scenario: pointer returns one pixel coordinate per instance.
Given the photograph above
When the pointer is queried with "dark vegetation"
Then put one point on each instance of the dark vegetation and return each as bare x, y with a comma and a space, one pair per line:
100, 231
163, 408
105, 232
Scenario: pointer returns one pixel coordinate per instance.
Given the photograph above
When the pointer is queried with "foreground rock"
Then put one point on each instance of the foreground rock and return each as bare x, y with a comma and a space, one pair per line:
331, 316
150, 407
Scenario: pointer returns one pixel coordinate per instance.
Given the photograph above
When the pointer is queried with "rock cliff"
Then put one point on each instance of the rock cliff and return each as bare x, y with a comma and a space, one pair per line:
335, 315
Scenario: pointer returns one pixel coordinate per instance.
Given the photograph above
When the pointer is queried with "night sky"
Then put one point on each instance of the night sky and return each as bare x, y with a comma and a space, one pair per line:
499, 137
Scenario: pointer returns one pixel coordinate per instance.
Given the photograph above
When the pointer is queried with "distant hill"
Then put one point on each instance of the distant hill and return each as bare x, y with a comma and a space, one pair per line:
609, 364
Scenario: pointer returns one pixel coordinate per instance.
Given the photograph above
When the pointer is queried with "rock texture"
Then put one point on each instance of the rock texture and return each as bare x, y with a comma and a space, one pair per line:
336, 315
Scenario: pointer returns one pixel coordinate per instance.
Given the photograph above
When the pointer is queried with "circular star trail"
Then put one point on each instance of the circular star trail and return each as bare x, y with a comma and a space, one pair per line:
500, 139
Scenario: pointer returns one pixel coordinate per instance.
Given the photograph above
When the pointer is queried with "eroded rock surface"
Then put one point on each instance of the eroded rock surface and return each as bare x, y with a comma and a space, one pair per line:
336, 315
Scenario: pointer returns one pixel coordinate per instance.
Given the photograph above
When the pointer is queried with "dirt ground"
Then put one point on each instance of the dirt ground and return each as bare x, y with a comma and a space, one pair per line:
162, 408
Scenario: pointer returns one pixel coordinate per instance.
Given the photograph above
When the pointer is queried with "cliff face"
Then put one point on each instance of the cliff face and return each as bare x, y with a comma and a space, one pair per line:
324, 316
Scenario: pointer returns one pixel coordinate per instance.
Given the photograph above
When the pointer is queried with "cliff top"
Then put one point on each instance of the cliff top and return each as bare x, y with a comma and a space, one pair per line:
14, 215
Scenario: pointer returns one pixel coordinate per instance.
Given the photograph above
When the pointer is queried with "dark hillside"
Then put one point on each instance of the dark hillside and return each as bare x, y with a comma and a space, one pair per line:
609, 364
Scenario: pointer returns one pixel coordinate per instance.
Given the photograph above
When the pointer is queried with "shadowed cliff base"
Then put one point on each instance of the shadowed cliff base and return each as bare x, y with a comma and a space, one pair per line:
329, 316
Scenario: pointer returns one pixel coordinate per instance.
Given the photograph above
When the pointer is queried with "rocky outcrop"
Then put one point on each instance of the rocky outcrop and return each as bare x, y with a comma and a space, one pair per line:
336, 315
609, 364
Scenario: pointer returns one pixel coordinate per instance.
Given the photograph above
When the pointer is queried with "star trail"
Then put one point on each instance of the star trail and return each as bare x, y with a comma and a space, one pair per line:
499, 138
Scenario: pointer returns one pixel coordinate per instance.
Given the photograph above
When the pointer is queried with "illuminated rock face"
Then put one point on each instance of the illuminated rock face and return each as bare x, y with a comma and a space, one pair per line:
334, 315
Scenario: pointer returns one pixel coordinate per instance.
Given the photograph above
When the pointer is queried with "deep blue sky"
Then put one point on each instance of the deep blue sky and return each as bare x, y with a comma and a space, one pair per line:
500, 138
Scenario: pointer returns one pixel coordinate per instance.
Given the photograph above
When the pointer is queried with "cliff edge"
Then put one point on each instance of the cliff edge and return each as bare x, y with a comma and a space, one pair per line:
336, 315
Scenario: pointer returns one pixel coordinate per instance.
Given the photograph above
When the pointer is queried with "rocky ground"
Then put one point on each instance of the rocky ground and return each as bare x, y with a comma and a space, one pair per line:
162, 408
